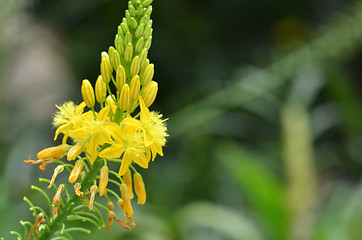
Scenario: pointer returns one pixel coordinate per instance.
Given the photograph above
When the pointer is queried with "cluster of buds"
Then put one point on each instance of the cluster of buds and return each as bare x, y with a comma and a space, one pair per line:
120, 128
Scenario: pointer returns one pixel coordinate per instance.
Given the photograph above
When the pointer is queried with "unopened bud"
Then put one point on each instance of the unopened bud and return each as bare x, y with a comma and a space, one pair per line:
127, 179
111, 103
88, 93
124, 27
53, 152
147, 32
147, 74
148, 42
114, 57
57, 170
128, 53
120, 77
77, 169
110, 205
147, 2
144, 19
124, 98
103, 181
139, 30
133, 23
106, 67
143, 56
135, 85
128, 38
101, 89
139, 45
131, 9
75, 151
135, 66
140, 10
149, 93
119, 44
139, 188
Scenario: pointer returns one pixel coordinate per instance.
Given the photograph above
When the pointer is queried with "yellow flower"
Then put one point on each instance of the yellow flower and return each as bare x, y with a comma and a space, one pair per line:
69, 117
94, 132
153, 127
129, 142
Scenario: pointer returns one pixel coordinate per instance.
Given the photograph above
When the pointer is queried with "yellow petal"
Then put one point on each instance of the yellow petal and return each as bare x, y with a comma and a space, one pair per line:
114, 151
126, 161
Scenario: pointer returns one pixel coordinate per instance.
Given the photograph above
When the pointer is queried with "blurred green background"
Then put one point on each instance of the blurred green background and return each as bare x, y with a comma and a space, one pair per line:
263, 100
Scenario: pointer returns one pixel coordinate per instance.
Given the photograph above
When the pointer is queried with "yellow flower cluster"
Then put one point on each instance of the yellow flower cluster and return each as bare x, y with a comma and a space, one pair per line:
121, 128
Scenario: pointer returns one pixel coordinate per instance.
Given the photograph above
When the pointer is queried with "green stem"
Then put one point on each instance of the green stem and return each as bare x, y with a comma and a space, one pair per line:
86, 183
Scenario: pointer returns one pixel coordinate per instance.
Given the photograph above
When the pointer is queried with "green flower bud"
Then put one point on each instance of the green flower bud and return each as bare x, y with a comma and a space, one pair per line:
148, 10
148, 42
128, 53
148, 31
147, 75
140, 10
124, 26
135, 86
128, 38
139, 30
114, 57
128, 17
101, 90
124, 98
143, 56
149, 93
144, 19
147, 2
136, 2
133, 23
119, 44
120, 31
135, 66
106, 67
88, 93
120, 77
131, 9
139, 45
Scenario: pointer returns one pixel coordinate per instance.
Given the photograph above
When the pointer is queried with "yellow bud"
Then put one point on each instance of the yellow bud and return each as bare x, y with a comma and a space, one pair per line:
101, 89
149, 93
77, 169
120, 77
53, 152
88, 93
128, 53
124, 98
147, 74
114, 57
111, 104
75, 151
135, 85
127, 179
148, 42
106, 67
127, 207
135, 66
139, 45
103, 181
139, 188
139, 30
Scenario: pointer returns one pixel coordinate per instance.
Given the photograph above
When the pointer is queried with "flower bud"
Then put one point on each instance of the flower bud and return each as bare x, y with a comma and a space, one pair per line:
101, 90
114, 57
139, 45
149, 93
132, 10
148, 42
120, 32
75, 151
128, 53
120, 77
147, 74
133, 23
124, 98
57, 170
111, 104
139, 188
135, 66
147, 2
119, 44
127, 207
128, 38
88, 93
103, 181
127, 179
139, 30
140, 10
145, 19
143, 56
110, 205
106, 67
124, 27
56, 152
77, 169
135, 85
148, 31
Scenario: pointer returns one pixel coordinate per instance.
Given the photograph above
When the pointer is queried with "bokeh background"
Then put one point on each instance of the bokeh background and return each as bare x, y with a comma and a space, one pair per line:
263, 100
